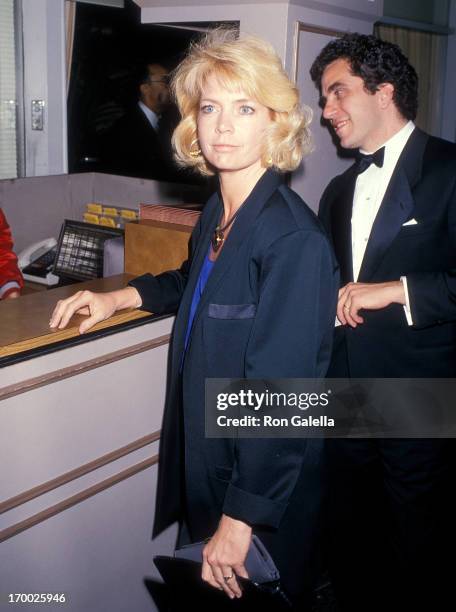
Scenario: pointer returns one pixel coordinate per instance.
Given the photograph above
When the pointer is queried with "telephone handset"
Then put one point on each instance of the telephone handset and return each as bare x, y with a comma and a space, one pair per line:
37, 261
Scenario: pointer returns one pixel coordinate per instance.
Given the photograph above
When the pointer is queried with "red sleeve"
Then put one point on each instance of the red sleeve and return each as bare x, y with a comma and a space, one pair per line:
9, 270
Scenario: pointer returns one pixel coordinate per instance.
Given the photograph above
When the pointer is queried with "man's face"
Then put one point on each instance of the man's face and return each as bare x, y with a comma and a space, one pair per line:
354, 113
155, 93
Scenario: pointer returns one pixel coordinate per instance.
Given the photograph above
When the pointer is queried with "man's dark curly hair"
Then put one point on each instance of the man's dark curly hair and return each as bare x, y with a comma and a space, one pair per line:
375, 61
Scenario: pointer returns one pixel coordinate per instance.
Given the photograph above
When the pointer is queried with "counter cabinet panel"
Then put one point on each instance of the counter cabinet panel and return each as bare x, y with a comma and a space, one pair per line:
79, 437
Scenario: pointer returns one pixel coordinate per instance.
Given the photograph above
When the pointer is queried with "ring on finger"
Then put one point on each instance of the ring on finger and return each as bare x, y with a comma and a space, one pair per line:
227, 578
346, 307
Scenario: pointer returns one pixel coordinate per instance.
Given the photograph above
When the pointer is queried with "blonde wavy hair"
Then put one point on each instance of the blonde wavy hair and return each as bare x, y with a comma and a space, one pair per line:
249, 64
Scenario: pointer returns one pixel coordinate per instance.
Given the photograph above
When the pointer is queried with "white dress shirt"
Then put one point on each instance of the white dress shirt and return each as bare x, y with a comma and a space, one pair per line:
152, 117
370, 189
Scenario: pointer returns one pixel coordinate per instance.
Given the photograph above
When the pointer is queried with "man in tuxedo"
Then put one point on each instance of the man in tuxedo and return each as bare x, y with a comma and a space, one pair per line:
392, 220
137, 145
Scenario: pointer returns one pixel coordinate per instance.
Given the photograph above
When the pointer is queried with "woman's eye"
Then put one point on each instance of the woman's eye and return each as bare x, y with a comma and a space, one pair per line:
246, 110
207, 108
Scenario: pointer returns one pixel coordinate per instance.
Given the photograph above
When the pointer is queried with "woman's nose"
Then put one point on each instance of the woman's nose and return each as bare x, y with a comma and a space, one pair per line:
224, 123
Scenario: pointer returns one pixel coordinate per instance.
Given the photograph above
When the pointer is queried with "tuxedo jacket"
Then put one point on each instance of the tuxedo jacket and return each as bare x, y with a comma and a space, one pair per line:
133, 147
267, 311
422, 188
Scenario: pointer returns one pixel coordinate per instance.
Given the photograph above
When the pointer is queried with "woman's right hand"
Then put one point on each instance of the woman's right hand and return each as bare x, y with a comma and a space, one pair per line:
97, 306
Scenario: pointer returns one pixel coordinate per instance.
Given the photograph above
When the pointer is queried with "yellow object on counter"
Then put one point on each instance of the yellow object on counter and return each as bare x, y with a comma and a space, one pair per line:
131, 215
91, 218
110, 212
93, 207
107, 222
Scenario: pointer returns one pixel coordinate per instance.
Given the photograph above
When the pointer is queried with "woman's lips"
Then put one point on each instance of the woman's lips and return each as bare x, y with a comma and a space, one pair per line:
224, 148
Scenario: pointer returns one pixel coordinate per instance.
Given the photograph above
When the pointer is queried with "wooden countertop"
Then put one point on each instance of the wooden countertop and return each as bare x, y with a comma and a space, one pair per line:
24, 322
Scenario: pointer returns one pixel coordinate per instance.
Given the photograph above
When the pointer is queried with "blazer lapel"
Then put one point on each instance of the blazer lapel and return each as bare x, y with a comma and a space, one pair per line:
397, 204
252, 206
211, 218
341, 226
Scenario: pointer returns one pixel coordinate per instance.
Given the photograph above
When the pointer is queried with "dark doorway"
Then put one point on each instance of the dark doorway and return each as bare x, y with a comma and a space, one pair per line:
111, 47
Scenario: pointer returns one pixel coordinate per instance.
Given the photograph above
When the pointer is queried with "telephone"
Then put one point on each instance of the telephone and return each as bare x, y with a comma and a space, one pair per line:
37, 261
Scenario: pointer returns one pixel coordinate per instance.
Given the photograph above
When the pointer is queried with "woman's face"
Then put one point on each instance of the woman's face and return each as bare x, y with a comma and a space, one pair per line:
231, 128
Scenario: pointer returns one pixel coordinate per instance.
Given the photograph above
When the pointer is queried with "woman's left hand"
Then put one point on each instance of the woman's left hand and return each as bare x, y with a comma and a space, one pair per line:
224, 556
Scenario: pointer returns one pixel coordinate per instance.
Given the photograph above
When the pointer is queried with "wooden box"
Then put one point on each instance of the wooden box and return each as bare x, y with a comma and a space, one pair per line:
155, 246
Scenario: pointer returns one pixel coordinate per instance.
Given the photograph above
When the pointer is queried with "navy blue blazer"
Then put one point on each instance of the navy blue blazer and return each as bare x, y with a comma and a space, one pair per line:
267, 311
423, 188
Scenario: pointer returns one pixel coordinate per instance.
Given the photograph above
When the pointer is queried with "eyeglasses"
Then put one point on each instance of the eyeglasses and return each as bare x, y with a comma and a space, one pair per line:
165, 80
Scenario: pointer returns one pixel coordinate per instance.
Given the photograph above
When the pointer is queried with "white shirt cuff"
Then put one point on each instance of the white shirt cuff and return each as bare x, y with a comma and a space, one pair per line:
408, 312
7, 286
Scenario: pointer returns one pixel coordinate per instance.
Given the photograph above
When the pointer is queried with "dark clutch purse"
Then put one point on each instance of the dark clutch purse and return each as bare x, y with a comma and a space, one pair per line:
182, 575
258, 563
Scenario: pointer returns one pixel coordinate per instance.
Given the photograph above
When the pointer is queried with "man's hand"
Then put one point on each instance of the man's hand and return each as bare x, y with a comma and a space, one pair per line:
369, 296
98, 307
224, 555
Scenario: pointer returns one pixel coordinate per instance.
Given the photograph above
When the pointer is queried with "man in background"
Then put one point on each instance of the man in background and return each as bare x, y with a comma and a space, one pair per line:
11, 281
137, 145
392, 220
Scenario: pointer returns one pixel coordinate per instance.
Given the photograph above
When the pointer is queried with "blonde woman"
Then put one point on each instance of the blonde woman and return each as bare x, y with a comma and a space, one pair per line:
256, 299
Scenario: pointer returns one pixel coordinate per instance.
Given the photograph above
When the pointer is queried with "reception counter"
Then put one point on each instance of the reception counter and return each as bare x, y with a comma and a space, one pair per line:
24, 329
80, 425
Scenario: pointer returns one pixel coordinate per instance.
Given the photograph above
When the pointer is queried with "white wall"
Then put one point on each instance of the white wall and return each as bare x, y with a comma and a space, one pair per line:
267, 19
37, 206
44, 79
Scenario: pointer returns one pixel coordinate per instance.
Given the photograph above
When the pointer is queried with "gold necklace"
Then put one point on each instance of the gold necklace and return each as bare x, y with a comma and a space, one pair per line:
219, 233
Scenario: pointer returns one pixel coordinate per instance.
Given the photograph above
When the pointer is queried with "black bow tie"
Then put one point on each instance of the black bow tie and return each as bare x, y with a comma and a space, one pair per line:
364, 161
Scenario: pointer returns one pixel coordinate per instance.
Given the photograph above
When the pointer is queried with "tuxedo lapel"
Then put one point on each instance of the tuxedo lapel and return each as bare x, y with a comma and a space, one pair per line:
395, 209
341, 226
144, 124
397, 204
